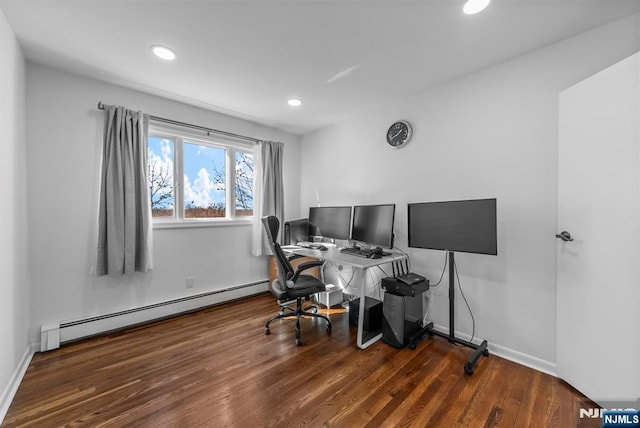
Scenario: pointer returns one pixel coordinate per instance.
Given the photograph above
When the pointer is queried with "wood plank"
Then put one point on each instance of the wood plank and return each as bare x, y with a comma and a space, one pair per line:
216, 367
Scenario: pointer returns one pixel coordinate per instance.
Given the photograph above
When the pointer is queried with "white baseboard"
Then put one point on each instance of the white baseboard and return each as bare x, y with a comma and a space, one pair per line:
524, 359
16, 379
69, 331
509, 354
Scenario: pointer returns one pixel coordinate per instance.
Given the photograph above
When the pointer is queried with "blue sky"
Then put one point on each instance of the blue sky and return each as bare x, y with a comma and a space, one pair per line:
200, 164
200, 161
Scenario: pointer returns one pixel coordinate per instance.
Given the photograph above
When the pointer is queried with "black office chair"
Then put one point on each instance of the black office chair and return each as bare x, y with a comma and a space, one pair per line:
291, 284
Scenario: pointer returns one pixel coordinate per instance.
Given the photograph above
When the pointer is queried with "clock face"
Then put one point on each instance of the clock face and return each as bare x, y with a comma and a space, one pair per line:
399, 134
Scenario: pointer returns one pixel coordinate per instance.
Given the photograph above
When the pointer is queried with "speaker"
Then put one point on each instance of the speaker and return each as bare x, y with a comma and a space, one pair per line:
296, 231
372, 313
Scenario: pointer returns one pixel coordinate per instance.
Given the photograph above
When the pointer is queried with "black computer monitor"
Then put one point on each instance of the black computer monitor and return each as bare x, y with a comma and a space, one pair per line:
467, 226
330, 222
373, 224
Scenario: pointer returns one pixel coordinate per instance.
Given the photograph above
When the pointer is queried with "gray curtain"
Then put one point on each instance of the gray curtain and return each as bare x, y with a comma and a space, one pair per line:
124, 219
272, 184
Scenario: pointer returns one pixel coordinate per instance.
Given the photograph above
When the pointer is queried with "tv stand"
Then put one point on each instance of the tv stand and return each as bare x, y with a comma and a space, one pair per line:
428, 330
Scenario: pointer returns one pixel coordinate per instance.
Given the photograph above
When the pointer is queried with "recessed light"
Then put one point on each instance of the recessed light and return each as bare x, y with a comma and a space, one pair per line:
163, 52
294, 102
475, 6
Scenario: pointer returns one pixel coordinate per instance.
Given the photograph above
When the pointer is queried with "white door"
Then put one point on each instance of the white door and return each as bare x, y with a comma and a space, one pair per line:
598, 348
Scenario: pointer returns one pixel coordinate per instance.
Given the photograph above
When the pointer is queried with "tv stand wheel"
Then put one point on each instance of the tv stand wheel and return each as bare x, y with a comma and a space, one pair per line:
267, 331
298, 342
412, 346
468, 369
485, 352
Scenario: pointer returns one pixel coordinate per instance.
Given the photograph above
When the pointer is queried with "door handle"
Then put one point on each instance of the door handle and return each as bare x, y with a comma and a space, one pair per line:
565, 236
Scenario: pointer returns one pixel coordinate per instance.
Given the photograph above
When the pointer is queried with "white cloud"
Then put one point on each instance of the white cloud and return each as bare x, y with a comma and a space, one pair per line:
199, 193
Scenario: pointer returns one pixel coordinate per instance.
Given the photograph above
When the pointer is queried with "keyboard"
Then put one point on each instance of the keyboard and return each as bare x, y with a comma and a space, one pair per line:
313, 246
359, 252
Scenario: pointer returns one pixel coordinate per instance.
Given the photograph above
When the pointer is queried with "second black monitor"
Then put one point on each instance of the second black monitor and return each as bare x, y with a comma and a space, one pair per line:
373, 224
330, 222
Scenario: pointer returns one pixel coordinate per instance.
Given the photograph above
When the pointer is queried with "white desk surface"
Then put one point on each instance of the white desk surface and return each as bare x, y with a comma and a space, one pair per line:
333, 254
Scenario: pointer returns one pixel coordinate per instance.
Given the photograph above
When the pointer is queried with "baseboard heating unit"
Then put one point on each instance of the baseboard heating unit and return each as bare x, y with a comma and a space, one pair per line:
55, 334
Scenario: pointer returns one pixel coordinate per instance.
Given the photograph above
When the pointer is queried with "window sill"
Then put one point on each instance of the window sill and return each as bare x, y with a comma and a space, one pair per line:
189, 224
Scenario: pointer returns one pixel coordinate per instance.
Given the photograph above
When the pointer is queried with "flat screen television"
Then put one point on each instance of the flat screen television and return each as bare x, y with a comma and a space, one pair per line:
330, 222
467, 226
373, 224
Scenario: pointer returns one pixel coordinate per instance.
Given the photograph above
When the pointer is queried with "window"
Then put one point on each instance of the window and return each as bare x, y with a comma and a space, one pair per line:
196, 178
160, 161
244, 184
205, 180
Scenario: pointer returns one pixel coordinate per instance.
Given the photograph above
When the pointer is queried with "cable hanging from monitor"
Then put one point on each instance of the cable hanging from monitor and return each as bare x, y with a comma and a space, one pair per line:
473, 320
444, 268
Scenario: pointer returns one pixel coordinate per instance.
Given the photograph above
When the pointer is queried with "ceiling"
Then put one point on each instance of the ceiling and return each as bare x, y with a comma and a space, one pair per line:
247, 58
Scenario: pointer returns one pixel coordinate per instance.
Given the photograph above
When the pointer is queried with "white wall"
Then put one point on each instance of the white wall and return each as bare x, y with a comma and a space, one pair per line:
14, 283
64, 142
490, 134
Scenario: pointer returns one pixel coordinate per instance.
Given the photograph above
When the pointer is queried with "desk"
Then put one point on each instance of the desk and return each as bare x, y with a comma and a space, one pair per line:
295, 262
361, 264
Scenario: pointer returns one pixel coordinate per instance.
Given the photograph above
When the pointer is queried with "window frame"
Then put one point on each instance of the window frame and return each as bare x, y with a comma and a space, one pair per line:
180, 135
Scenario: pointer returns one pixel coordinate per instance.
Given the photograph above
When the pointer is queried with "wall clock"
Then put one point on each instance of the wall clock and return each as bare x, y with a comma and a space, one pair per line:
399, 134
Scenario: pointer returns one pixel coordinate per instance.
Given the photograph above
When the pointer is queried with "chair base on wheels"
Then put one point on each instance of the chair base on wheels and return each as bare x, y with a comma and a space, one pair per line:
285, 306
298, 313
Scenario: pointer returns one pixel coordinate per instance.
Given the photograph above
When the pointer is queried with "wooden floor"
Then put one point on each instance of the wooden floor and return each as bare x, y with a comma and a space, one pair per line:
217, 368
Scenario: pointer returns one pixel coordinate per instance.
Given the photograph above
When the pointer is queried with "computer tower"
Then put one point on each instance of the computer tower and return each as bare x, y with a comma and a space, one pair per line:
372, 313
402, 316
413, 308
296, 231
393, 320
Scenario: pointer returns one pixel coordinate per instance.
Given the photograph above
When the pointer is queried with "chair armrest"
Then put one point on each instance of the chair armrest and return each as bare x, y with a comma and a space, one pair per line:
309, 265
304, 266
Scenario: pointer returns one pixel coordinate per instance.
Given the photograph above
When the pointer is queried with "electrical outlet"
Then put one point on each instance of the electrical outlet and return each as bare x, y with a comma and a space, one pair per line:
191, 282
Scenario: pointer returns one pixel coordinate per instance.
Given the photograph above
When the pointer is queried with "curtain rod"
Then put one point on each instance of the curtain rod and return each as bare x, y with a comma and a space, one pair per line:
101, 106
